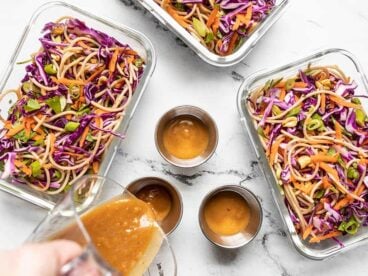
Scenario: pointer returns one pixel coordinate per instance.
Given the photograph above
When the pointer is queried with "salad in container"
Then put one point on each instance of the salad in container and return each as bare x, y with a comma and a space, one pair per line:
308, 123
221, 32
67, 97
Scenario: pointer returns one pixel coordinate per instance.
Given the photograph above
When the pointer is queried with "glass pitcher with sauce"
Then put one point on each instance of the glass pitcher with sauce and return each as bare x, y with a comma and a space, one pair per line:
117, 231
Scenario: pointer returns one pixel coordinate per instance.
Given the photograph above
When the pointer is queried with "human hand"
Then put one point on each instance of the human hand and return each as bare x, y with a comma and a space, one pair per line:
42, 259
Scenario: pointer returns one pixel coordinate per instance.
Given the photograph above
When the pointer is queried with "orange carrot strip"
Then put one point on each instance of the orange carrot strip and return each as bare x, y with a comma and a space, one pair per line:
232, 43
28, 125
23, 167
8, 125
282, 94
113, 60
338, 130
325, 237
130, 52
345, 103
212, 17
52, 142
325, 182
237, 23
297, 84
95, 166
274, 150
300, 84
307, 231
96, 73
323, 103
216, 25
178, 18
342, 203
248, 15
68, 81
84, 136
38, 137
14, 130
324, 158
329, 170
360, 190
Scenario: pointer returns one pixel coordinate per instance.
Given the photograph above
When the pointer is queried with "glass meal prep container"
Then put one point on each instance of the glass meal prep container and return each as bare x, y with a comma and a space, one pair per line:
29, 43
350, 66
214, 59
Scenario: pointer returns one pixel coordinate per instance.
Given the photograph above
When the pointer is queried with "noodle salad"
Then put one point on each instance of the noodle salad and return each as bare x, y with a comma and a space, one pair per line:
315, 135
70, 105
220, 25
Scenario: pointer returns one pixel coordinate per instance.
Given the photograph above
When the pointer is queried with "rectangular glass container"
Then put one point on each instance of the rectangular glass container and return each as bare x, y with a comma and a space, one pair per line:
205, 54
29, 43
351, 67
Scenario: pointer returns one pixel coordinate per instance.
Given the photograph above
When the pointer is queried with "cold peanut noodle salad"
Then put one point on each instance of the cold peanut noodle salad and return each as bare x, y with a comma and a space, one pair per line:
315, 135
70, 105
220, 25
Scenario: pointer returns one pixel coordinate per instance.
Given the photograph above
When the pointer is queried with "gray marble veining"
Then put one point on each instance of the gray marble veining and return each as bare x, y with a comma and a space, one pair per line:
182, 78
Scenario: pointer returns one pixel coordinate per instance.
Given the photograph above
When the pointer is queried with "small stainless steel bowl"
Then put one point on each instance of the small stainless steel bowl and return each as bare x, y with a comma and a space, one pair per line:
242, 238
187, 110
171, 222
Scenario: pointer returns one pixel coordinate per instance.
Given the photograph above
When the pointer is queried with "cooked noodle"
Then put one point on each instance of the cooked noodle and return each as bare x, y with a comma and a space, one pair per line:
70, 105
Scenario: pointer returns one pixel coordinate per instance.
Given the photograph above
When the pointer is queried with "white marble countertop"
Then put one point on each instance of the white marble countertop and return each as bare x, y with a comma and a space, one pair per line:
183, 78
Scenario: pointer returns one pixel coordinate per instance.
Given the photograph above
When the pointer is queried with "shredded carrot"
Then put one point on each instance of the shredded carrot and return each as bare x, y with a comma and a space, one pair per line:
345, 103
332, 172
306, 188
274, 150
248, 15
323, 103
338, 130
120, 83
282, 94
324, 158
326, 184
300, 84
342, 203
180, 19
212, 17
113, 60
130, 52
95, 166
297, 84
232, 43
237, 23
96, 73
52, 142
360, 190
23, 167
68, 81
325, 237
216, 25
14, 130
84, 136
307, 231
28, 125
38, 137
100, 112
266, 131
8, 125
